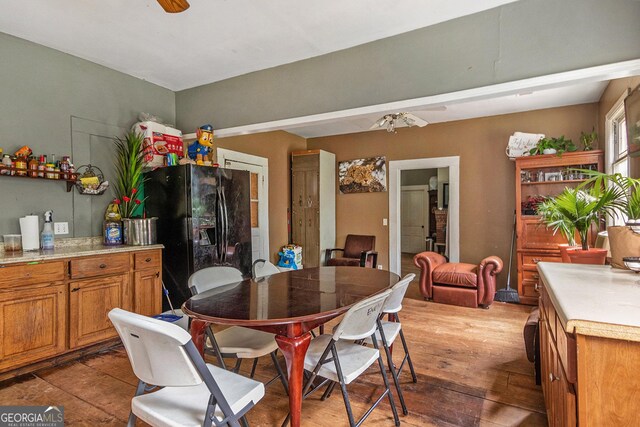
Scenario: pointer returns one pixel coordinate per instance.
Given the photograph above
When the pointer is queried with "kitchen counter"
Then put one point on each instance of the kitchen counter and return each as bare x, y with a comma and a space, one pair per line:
70, 248
594, 300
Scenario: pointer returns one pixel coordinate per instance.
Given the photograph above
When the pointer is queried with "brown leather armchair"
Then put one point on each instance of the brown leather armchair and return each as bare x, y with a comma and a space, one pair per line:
462, 284
358, 251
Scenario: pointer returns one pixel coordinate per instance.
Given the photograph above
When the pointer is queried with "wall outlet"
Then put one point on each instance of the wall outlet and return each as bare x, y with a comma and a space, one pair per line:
385, 222
379, 266
60, 228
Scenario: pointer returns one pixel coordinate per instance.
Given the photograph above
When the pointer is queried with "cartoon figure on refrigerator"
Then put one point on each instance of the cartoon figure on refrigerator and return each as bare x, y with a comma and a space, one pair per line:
200, 148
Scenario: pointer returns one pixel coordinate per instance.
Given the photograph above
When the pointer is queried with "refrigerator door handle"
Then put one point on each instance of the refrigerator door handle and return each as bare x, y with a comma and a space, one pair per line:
225, 223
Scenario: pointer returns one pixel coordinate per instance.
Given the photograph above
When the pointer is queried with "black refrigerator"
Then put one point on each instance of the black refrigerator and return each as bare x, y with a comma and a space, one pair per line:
204, 219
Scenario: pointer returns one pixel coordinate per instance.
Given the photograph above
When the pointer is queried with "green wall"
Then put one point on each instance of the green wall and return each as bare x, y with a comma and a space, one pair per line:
41, 89
527, 38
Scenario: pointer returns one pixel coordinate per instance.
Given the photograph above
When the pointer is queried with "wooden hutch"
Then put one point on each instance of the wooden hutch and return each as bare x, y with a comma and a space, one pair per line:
543, 175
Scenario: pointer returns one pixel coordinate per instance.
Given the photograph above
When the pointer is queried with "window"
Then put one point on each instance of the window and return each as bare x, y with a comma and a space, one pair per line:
617, 154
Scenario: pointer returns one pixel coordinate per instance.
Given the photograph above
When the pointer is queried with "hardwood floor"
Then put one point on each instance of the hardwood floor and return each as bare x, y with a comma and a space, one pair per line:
471, 366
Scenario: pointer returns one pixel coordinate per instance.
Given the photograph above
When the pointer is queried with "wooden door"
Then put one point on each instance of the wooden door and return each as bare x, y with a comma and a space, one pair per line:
89, 303
311, 250
33, 324
297, 208
414, 202
147, 292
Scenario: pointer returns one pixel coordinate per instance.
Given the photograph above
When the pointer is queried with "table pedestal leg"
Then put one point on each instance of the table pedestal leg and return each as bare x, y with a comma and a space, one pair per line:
198, 328
294, 350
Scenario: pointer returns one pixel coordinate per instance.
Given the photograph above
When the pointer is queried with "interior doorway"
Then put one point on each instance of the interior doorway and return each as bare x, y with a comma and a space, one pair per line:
423, 214
439, 216
258, 168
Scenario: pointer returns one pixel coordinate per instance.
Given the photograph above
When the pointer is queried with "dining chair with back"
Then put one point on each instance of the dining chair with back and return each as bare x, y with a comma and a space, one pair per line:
337, 357
192, 392
236, 341
389, 330
262, 268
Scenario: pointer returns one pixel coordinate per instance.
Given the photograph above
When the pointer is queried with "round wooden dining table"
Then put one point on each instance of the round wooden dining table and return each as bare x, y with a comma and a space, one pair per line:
290, 305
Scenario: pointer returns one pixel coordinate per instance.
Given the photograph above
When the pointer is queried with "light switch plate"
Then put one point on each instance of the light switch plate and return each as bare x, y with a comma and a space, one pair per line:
379, 266
60, 228
385, 222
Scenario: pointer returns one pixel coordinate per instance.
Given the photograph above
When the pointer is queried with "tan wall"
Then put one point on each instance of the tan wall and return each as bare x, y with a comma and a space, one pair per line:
276, 147
486, 176
612, 93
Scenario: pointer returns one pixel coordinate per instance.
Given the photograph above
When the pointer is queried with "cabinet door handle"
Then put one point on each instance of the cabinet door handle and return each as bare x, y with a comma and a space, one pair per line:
300, 222
157, 274
75, 289
147, 260
309, 222
536, 260
103, 266
536, 287
300, 201
552, 377
536, 276
309, 202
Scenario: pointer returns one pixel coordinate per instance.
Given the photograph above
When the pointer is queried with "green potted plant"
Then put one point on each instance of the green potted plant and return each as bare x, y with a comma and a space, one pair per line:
129, 164
627, 192
553, 146
577, 210
587, 139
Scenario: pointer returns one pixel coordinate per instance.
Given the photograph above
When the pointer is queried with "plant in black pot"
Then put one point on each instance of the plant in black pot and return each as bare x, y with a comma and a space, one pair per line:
553, 146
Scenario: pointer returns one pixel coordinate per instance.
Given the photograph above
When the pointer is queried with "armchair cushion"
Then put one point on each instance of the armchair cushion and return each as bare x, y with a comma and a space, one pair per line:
342, 262
456, 274
356, 244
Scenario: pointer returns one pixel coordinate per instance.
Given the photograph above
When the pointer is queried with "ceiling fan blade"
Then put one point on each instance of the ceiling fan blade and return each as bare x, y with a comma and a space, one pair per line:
414, 120
174, 6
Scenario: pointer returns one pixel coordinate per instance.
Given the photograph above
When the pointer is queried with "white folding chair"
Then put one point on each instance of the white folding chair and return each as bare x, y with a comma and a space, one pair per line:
262, 268
236, 342
193, 393
337, 358
388, 331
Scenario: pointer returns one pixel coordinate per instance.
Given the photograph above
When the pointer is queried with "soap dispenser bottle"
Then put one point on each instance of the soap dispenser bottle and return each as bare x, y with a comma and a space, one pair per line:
47, 236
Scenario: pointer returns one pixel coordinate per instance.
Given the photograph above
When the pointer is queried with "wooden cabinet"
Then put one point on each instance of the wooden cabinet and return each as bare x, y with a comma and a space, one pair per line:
51, 308
313, 206
559, 394
33, 322
147, 283
89, 303
543, 176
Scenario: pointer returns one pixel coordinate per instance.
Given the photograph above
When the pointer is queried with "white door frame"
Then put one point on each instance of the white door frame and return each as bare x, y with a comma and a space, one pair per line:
395, 169
263, 206
425, 210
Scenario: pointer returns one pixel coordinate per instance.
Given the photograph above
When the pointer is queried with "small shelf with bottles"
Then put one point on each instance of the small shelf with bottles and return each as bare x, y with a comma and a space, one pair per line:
54, 176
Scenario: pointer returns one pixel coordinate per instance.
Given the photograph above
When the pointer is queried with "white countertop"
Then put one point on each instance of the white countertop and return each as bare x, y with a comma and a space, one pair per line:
70, 249
594, 300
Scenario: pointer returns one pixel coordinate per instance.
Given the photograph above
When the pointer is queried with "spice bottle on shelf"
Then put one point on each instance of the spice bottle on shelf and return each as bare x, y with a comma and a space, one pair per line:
42, 165
21, 165
64, 167
50, 169
33, 167
6, 162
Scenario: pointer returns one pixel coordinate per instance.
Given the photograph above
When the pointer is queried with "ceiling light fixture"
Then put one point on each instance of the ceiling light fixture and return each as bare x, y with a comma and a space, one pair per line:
390, 121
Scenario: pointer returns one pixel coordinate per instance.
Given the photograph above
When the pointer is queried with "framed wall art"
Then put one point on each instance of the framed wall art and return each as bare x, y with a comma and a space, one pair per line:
363, 175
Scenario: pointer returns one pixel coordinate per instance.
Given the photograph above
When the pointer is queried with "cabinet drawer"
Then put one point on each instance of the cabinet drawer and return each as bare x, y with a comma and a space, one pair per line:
18, 275
147, 260
99, 265
529, 261
530, 288
566, 344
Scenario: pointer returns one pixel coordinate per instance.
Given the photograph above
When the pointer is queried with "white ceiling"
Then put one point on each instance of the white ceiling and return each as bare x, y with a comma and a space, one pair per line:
217, 39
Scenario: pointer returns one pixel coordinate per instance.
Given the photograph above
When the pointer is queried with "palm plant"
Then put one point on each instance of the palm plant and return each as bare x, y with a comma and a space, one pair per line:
626, 189
129, 164
577, 209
